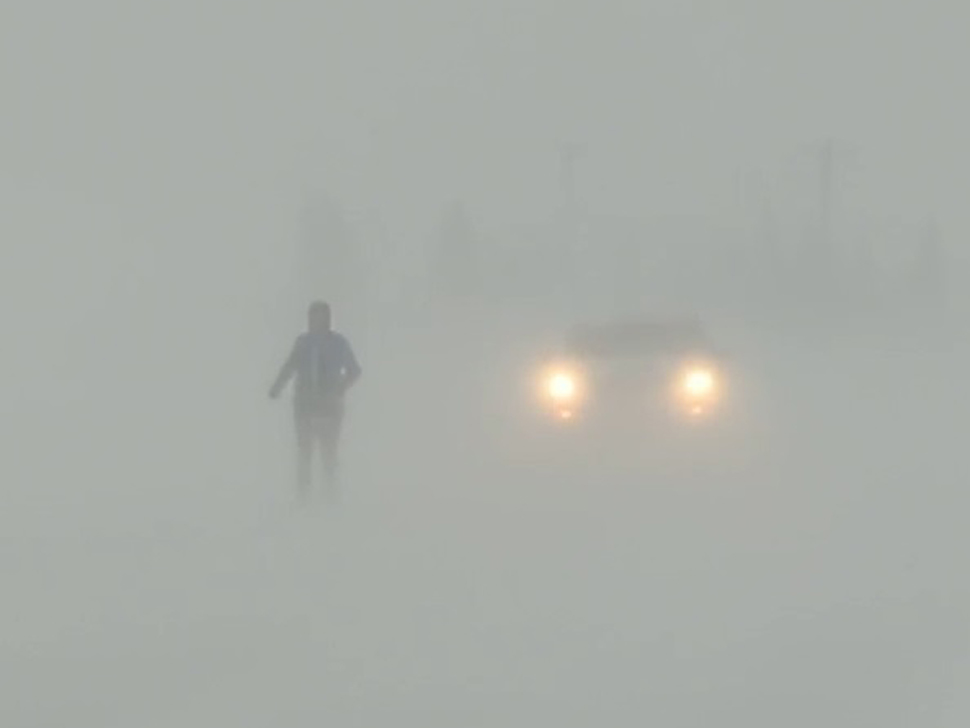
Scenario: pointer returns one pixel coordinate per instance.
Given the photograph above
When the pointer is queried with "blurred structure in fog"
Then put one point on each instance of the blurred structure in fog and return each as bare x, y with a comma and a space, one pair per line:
456, 263
330, 261
928, 275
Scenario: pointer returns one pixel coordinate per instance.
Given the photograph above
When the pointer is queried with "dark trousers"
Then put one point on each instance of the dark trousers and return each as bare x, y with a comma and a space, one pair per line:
317, 427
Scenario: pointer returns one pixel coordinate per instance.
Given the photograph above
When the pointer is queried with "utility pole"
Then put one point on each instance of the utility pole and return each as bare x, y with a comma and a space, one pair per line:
569, 154
821, 254
826, 192
929, 266
826, 204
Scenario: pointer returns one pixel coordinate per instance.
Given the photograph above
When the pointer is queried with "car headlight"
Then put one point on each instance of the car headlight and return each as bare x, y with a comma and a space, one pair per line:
562, 386
699, 382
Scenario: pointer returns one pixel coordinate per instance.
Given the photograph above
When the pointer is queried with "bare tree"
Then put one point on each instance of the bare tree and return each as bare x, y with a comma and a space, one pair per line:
330, 263
456, 263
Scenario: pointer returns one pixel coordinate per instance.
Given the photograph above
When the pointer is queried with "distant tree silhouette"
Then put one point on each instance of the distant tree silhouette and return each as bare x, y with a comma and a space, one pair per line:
456, 257
928, 271
330, 262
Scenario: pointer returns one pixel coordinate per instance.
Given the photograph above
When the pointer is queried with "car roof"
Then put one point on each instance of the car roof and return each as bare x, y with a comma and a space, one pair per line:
637, 338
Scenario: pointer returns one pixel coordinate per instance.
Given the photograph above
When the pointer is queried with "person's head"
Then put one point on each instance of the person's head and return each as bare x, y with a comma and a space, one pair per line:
318, 316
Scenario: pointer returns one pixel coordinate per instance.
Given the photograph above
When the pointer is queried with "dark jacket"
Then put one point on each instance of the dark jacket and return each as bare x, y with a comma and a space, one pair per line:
324, 366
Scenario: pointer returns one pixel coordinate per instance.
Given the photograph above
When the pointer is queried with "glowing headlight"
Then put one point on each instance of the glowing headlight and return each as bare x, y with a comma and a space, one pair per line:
699, 383
562, 386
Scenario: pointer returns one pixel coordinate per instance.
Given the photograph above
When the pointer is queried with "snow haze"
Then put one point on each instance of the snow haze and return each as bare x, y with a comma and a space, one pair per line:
463, 182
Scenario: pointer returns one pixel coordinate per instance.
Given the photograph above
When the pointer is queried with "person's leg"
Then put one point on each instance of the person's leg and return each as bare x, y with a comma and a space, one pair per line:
329, 433
304, 453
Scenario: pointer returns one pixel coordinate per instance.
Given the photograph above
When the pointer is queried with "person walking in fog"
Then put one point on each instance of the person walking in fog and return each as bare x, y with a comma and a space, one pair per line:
325, 367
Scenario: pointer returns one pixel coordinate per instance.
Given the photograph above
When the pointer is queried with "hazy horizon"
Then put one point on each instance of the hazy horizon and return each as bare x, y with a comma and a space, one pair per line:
800, 568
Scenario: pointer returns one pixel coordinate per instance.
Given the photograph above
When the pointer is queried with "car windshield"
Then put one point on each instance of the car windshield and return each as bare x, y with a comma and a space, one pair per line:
636, 340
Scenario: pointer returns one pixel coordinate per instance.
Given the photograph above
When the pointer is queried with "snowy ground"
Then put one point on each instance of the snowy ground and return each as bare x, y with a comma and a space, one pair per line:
161, 575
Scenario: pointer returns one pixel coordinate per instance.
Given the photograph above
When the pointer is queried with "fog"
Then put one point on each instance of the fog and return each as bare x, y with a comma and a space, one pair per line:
464, 182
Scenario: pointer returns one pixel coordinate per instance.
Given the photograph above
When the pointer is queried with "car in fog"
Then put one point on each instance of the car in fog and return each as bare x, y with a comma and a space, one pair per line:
662, 371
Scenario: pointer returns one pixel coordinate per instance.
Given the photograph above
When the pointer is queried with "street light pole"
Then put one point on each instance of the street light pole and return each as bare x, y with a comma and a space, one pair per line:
822, 252
569, 154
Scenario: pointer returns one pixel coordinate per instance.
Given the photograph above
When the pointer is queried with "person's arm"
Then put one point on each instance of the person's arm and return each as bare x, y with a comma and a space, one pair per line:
286, 371
352, 370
